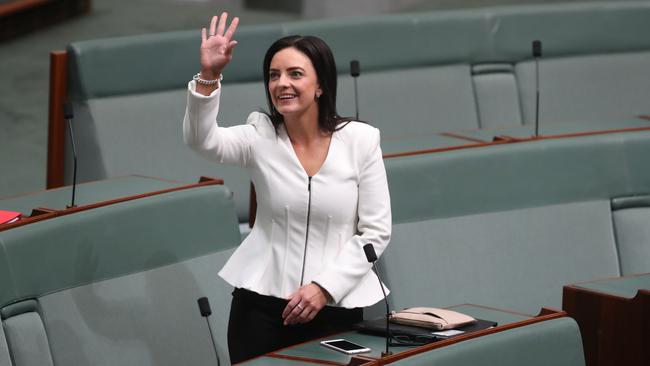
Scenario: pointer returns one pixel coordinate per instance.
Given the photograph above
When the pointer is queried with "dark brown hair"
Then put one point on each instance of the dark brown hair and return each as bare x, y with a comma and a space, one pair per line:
321, 57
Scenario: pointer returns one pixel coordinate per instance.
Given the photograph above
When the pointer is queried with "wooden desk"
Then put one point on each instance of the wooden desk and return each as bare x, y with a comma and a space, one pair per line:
614, 319
557, 130
310, 353
87, 193
90, 195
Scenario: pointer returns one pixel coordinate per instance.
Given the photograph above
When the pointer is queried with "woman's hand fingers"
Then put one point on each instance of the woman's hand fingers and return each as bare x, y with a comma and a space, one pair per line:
311, 316
294, 316
294, 309
231, 30
213, 26
221, 27
304, 304
293, 301
217, 45
230, 47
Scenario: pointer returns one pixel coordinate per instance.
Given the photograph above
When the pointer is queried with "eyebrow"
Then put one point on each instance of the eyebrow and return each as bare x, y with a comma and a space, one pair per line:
289, 68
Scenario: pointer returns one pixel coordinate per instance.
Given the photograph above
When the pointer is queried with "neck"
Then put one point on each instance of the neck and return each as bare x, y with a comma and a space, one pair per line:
303, 129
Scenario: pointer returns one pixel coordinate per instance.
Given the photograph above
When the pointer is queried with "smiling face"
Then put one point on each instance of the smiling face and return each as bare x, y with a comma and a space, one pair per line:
293, 83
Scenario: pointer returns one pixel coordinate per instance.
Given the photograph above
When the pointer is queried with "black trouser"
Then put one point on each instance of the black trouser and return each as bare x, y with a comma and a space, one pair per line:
255, 326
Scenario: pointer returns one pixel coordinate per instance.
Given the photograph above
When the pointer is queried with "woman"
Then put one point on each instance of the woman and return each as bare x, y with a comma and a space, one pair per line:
321, 188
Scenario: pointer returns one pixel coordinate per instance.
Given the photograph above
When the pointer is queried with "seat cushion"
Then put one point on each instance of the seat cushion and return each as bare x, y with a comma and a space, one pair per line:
5, 359
517, 259
411, 102
142, 134
27, 340
497, 96
553, 342
632, 227
148, 318
586, 88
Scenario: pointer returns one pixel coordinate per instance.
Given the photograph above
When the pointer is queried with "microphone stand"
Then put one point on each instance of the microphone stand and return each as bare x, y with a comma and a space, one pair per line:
537, 53
372, 258
536, 96
355, 71
388, 335
204, 309
68, 115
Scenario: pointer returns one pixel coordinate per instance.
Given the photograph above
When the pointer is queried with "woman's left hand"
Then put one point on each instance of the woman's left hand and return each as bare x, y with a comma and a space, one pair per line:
304, 304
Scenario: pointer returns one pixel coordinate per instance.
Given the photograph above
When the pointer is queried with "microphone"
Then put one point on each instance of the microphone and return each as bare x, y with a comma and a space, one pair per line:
355, 71
371, 256
68, 115
204, 309
537, 53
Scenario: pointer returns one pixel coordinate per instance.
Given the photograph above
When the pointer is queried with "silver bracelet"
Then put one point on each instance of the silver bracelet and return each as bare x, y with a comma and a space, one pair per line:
198, 79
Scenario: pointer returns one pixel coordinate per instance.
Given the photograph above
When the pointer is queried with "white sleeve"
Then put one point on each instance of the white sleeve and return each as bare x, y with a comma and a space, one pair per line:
374, 226
201, 132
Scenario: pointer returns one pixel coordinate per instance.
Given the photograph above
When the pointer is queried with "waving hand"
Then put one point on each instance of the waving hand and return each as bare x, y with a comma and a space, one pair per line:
217, 46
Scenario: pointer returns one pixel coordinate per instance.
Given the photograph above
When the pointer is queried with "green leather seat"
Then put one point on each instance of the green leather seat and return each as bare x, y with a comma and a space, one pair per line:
118, 284
631, 217
554, 342
508, 226
431, 72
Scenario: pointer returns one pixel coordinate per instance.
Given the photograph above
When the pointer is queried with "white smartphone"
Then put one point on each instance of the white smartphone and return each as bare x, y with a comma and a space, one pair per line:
344, 346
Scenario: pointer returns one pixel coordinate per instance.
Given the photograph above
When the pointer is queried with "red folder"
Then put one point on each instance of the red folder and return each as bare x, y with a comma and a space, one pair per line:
7, 217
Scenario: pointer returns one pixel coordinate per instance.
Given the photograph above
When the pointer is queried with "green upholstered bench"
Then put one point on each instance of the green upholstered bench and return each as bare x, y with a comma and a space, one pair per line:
87, 193
631, 217
552, 342
118, 284
431, 72
5, 358
513, 338
509, 225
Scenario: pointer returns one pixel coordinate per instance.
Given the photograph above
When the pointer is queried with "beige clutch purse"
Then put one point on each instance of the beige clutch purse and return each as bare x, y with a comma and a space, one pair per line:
433, 318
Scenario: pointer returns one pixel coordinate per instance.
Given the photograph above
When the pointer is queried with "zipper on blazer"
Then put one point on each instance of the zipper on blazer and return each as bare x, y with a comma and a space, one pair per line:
304, 255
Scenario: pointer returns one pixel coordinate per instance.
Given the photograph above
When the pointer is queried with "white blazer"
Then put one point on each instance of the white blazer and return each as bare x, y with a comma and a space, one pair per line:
346, 203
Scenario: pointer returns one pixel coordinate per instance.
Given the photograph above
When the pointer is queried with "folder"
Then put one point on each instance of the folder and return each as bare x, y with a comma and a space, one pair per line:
7, 217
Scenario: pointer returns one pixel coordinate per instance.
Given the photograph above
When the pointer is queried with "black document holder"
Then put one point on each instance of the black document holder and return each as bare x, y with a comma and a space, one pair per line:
378, 327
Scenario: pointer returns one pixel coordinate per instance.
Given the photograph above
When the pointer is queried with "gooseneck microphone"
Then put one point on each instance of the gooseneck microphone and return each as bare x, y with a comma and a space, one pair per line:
537, 53
372, 258
68, 115
204, 309
355, 71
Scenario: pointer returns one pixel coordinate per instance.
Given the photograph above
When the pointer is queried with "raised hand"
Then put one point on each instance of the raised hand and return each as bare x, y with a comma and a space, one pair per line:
217, 46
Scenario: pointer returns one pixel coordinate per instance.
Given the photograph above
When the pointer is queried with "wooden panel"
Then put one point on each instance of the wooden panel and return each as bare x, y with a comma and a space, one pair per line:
615, 330
56, 124
252, 206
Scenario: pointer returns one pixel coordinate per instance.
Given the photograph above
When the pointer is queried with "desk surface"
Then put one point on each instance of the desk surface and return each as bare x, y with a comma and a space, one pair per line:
626, 287
87, 193
400, 144
434, 142
312, 351
558, 129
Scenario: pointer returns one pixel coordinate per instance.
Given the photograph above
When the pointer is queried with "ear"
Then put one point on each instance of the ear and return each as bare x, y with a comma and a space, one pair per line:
319, 92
